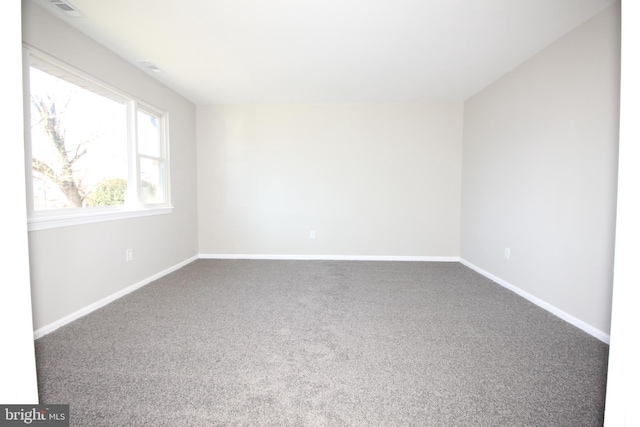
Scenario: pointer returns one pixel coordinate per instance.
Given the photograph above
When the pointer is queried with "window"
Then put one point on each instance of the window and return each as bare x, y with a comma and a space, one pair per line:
93, 152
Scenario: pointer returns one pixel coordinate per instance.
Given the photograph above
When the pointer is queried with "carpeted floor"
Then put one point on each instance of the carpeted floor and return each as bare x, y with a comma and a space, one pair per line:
323, 343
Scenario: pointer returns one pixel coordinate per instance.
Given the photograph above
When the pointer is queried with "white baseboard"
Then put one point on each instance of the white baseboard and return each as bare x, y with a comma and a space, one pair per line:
537, 301
332, 257
604, 337
38, 333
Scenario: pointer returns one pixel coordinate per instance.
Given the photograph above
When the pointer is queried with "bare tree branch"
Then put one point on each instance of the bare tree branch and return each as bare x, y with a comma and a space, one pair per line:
80, 151
50, 115
45, 170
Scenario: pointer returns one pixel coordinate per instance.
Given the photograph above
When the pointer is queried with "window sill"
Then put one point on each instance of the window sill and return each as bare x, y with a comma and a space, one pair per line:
46, 222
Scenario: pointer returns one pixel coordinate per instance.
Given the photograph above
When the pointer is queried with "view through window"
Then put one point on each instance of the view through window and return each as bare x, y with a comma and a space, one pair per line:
78, 145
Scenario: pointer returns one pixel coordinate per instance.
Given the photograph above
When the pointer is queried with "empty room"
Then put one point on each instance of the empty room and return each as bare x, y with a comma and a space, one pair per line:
323, 213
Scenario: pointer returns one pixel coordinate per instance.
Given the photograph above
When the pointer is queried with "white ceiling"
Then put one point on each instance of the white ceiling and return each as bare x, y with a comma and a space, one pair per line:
317, 51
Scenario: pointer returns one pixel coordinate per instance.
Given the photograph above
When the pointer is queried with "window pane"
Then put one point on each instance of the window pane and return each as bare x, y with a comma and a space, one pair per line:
78, 145
151, 180
148, 134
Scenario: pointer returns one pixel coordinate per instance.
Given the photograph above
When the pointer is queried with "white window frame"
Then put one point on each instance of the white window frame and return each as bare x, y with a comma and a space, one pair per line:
133, 208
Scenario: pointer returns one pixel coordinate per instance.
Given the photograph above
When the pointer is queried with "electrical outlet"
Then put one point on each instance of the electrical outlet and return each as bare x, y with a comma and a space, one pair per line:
129, 255
312, 234
507, 253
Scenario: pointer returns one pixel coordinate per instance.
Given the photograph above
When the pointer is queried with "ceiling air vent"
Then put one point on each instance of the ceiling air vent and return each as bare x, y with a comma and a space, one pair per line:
66, 8
150, 66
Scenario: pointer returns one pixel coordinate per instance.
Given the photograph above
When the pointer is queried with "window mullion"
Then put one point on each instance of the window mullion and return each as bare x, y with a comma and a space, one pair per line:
133, 185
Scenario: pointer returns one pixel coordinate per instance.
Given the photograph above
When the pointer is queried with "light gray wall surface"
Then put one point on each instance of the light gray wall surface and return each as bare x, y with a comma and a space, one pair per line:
73, 267
539, 172
369, 179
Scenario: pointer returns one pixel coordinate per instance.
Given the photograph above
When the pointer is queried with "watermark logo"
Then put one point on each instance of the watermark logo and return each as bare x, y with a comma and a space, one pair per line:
34, 415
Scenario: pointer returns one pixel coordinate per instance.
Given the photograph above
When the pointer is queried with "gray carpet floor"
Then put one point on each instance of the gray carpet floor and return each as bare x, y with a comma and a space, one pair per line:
323, 343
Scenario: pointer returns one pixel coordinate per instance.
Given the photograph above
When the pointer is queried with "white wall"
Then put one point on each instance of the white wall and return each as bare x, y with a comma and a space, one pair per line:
539, 172
369, 179
623, 393
18, 383
73, 267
